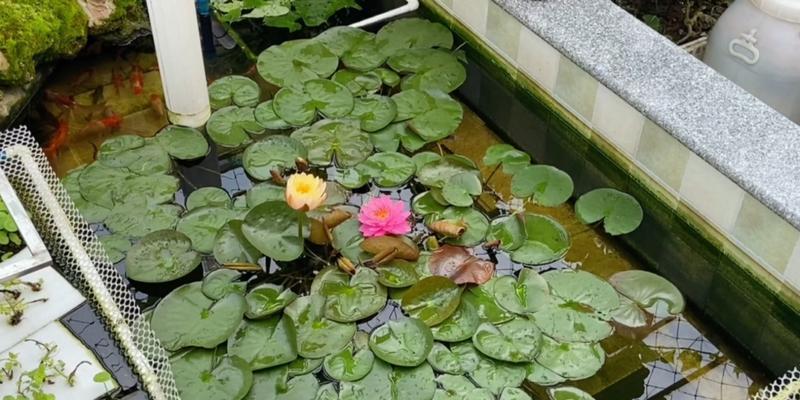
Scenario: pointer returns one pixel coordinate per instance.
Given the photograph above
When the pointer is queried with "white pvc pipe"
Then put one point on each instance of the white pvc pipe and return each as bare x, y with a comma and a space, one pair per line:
180, 60
411, 5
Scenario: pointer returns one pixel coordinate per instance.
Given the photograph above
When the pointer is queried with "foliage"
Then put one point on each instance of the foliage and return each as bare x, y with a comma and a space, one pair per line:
281, 13
10, 240
14, 298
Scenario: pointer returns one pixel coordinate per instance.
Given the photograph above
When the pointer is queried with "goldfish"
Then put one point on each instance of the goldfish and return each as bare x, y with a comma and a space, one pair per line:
157, 104
137, 80
58, 140
117, 79
62, 100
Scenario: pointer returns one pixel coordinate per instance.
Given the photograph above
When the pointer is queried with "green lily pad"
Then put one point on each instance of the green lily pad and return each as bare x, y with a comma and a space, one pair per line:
327, 392
432, 300
186, 317
374, 112
476, 224
116, 247
347, 240
202, 224
266, 117
98, 183
231, 246
482, 298
572, 361
514, 394
525, 295
630, 314
265, 343
389, 169
389, 77
317, 336
461, 188
296, 61
415, 60
435, 172
404, 342
204, 375
303, 366
376, 385
221, 282
274, 383
233, 90
415, 383
497, 375
352, 363
568, 323
397, 274
339, 39
364, 55
546, 241
457, 360
425, 203
264, 192
546, 185
445, 78
136, 219
461, 325
273, 153
267, 299
584, 288
352, 178
542, 376
355, 300
161, 256
149, 189
512, 159
409, 33
509, 230
298, 105
274, 229
150, 159
208, 196
359, 83
620, 212
646, 289
183, 143
517, 340
431, 114
457, 387
568, 393
231, 126
327, 139
116, 152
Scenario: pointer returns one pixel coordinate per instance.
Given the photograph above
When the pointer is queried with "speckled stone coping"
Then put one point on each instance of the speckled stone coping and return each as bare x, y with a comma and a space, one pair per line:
748, 141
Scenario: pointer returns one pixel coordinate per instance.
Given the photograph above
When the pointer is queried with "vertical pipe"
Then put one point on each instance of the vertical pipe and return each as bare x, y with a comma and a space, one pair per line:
180, 60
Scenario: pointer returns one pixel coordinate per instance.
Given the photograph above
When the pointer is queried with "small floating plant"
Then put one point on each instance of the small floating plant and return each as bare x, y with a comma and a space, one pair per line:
366, 296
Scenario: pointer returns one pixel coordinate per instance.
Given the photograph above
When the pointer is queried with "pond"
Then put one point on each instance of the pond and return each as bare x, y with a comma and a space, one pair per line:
445, 203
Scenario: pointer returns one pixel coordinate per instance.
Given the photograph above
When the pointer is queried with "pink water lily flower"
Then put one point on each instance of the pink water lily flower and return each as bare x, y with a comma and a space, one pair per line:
383, 216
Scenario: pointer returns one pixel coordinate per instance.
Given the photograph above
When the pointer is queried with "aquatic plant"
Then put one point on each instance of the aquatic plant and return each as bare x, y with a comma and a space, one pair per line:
383, 216
305, 192
10, 240
281, 13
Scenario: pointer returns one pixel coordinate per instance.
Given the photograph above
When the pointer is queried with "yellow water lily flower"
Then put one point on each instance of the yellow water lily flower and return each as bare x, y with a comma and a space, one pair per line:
305, 192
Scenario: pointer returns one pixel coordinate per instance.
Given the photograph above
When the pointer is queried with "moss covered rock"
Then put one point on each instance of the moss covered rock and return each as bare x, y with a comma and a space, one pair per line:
116, 21
38, 30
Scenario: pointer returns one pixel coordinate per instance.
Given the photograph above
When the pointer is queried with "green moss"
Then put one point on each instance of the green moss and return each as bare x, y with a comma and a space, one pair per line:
128, 19
38, 30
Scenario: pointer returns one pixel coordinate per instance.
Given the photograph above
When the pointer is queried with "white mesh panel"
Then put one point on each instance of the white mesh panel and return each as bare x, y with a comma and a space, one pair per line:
82, 259
787, 387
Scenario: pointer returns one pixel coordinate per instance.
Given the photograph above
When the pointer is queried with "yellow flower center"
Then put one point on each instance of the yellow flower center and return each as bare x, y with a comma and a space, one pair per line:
303, 188
382, 213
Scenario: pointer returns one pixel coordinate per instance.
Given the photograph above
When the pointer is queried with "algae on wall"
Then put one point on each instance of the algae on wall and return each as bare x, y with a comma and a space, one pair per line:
38, 30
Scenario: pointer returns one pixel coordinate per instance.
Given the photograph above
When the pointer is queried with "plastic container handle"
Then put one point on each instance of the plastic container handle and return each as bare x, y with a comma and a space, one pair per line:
747, 42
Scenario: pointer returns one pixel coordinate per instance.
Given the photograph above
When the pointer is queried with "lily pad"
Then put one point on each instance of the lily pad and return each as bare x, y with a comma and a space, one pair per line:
150, 159
298, 105
273, 153
204, 375
303, 366
415, 383
389, 77
646, 289
202, 224
630, 314
116, 247
476, 224
136, 219
221, 282
98, 183
274, 229
265, 343
514, 394
264, 192
389, 169
461, 325
546, 185
409, 33
435, 172
374, 112
527, 294
517, 340
546, 241
186, 317
459, 359
432, 300
509, 230
317, 336
404, 342
148, 189
425, 203
274, 383
183, 143
339, 39
327, 392
327, 139
457, 387
512, 159
116, 152
265, 115
620, 212
431, 114
497, 375
364, 55
573, 361
568, 393
568, 323
542, 376
296, 61
584, 288
267, 299
355, 300
208, 196
233, 90
161, 256
482, 298
231, 246
359, 83
231, 126
397, 274
376, 385
461, 188
352, 363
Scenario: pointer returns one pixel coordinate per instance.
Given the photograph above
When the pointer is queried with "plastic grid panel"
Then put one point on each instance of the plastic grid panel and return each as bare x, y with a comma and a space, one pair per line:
787, 387
101, 284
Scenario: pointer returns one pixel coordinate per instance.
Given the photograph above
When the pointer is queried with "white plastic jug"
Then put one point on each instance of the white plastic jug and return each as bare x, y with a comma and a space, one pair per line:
756, 43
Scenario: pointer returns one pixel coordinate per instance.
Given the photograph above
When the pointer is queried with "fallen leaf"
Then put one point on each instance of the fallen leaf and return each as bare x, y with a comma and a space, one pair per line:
458, 264
406, 249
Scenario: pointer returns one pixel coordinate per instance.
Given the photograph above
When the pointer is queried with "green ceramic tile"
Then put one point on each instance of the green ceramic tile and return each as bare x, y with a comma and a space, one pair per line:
446, 3
472, 13
576, 88
765, 234
662, 155
502, 29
